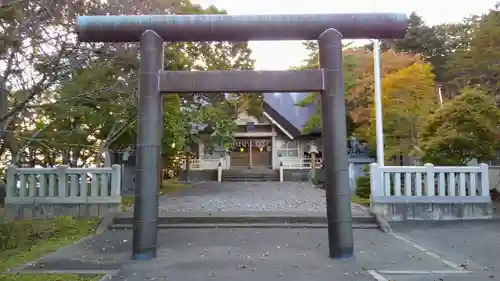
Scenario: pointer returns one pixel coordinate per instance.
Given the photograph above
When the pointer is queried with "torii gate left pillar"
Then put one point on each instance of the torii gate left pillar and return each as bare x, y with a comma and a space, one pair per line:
328, 29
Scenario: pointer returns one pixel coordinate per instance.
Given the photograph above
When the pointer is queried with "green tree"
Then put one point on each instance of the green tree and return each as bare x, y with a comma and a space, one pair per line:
312, 62
435, 44
89, 106
174, 133
476, 64
461, 130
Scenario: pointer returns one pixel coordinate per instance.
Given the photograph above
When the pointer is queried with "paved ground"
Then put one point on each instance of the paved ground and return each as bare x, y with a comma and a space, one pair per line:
473, 246
243, 254
246, 197
442, 251
446, 251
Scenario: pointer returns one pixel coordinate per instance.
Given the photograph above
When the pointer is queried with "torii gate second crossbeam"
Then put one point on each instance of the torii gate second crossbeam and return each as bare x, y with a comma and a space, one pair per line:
153, 30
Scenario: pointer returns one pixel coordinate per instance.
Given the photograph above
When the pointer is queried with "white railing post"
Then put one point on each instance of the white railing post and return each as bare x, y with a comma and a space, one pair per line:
281, 171
430, 189
11, 184
62, 180
375, 180
116, 180
485, 183
219, 172
73, 186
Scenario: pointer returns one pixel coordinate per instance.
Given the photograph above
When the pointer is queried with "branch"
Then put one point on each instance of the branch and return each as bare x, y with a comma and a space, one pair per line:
39, 87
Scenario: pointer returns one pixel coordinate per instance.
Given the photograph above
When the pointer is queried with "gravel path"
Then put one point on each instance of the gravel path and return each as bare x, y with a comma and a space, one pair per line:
269, 197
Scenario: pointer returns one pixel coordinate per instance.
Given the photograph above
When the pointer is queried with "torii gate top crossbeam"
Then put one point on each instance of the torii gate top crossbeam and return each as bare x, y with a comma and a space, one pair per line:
128, 28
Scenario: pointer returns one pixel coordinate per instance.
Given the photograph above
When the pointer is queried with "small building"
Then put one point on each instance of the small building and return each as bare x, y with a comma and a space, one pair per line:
273, 140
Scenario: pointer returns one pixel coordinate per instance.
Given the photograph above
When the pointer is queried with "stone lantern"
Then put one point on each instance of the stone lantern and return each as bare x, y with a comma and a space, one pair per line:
313, 150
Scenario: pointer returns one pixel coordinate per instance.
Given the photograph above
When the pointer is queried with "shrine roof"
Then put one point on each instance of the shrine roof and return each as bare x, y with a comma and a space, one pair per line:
283, 108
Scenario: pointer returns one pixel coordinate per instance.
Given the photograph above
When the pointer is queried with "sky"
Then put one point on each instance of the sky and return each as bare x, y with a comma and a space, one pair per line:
280, 55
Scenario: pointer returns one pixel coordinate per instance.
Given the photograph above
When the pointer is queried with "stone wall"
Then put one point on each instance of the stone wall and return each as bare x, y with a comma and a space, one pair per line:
198, 175
26, 211
406, 211
494, 177
128, 180
296, 175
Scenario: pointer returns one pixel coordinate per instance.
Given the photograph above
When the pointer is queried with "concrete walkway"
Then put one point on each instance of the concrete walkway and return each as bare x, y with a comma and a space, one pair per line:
239, 254
446, 251
249, 198
438, 251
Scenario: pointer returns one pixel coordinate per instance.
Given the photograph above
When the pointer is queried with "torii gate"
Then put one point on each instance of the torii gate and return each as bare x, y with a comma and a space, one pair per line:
153, 30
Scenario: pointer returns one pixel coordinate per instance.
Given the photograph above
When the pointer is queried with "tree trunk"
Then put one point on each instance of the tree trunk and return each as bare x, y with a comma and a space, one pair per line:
66, 157
75, 155
313, 165
188, 166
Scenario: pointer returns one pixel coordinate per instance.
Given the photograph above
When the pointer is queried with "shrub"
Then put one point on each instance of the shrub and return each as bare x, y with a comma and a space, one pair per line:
363, 184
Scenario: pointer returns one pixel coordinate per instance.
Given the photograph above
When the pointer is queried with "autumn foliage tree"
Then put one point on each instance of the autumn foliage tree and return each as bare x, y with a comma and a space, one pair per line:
358, 84
359, 98
463, 129
409, 97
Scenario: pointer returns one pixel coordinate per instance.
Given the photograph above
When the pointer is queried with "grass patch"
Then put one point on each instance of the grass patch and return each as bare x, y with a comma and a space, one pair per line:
167, 186
27, 240
48, 277
360, 200
171, 185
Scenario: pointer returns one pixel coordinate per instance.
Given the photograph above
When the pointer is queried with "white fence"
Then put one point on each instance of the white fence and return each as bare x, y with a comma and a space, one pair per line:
38, 192
287, 163
430, 185
299, 163
202, 164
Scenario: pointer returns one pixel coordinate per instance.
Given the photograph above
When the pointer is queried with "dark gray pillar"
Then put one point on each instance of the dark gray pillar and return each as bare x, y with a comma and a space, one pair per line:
333, 113
149, 134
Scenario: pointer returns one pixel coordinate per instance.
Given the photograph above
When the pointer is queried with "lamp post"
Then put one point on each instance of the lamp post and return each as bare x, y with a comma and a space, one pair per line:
440, 95
379, 129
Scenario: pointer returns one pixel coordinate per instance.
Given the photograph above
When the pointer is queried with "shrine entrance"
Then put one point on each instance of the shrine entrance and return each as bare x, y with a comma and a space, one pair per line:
152, 31
251, 153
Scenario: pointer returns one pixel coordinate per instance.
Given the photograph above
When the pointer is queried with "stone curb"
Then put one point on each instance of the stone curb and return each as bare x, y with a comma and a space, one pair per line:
261, 219
382, 222
380, 219
108, 275
106, 222
246, 225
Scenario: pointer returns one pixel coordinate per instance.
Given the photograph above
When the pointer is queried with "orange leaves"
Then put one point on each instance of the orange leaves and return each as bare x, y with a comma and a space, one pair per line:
408, 92
409, 98
413, 83
360, 98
